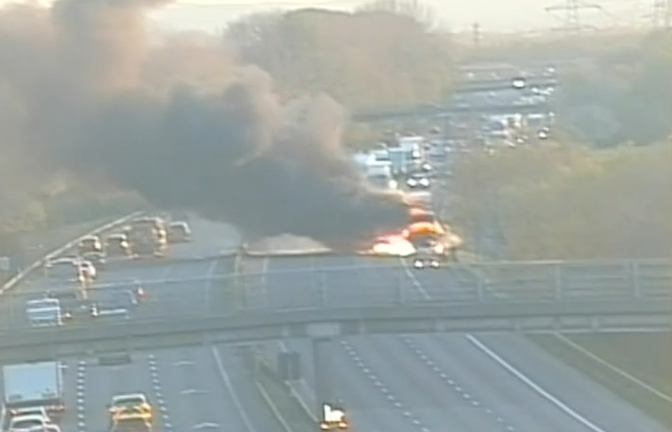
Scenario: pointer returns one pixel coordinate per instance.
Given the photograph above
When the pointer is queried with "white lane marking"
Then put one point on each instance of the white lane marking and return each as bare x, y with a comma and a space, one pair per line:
600, 360
416, 283
206, 426
183, 363
613, 368
208, 283
515, 372
534, 386
386, 393
157, 389
80, 393
229, 387
452, 383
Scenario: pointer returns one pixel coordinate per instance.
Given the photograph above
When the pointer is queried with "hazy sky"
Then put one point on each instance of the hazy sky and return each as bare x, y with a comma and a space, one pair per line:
493, 15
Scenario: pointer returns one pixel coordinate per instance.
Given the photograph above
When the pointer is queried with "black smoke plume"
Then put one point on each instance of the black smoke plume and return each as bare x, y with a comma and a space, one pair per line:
85, 89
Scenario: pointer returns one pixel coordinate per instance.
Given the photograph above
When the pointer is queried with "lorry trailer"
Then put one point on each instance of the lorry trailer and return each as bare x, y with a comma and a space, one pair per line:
31, 385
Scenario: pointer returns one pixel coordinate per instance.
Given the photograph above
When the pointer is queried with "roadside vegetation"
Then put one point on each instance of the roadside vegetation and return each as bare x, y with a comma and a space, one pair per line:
616, 86
386, 54
638, 368
560, 201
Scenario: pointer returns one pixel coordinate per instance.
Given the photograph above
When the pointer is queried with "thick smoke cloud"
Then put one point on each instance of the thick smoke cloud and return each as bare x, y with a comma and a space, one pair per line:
83, 88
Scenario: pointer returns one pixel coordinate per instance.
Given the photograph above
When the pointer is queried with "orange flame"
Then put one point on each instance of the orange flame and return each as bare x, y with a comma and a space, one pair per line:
391, 245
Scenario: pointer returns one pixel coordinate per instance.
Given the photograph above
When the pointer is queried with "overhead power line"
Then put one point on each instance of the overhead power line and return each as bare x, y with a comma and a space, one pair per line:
571, 14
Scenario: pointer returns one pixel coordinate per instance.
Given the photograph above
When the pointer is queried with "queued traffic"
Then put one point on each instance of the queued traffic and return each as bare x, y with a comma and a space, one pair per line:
411, 164
34, 401
72, 293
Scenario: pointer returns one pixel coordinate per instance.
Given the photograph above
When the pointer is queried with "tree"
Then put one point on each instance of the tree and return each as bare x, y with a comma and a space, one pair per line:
633, 86
380, 55
562, 201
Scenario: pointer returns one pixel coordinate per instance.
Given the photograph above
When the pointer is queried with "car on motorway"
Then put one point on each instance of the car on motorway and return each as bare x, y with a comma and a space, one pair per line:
72, 303
418, 181
29, 410
90, 243
131, 406
23, 423
130, 422
179, 232
426, 257
86, 272
117, 245
96, 258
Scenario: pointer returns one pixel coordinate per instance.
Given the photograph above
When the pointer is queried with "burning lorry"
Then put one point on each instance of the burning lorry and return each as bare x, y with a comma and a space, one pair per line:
426, 233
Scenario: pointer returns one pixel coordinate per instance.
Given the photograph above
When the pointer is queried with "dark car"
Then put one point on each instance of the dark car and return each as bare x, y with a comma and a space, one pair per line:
117, 244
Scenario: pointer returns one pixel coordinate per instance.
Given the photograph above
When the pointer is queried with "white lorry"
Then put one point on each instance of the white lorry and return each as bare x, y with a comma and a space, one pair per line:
379, 174
33, 385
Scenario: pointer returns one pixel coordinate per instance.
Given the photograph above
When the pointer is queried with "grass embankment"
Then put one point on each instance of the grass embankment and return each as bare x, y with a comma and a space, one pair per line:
644, 359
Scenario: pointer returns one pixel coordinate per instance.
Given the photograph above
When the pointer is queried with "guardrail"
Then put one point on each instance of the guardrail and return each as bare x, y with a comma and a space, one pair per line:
168, 332
16, 280
382, 285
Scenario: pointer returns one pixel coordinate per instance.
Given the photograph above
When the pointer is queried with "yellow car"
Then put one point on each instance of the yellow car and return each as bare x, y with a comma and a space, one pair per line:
130, 407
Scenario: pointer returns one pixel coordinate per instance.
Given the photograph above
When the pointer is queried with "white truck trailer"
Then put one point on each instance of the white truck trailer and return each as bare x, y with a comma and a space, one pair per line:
31, 385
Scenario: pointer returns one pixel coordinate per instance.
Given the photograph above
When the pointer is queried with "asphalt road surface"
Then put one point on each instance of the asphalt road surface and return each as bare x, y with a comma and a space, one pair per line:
439, 382
416, 383
194, 388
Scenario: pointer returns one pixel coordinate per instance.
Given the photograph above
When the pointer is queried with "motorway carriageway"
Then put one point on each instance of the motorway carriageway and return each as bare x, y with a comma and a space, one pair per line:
417, 384
195, 388
435, 383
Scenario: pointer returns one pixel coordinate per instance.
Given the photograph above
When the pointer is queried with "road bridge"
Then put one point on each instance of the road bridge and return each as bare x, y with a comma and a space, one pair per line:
189, 375
426, 111
192, 329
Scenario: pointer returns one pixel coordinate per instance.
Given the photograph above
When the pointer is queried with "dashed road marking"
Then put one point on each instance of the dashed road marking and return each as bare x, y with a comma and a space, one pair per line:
157, 389
80, 394
453, 384
414, 420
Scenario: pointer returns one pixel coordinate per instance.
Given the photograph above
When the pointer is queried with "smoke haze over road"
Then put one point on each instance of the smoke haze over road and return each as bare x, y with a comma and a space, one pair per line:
84, 89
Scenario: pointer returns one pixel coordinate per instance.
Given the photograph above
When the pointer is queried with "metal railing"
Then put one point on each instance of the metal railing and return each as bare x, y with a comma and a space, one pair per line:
570, 283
